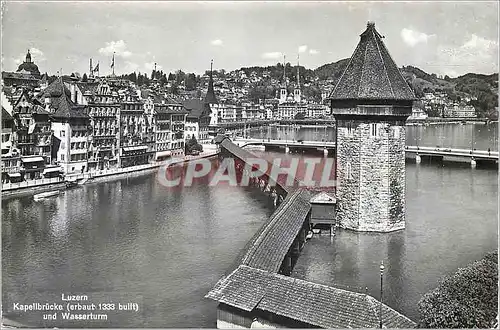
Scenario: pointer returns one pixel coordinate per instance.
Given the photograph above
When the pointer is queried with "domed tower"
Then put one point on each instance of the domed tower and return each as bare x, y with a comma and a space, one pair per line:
29, 66
371, 103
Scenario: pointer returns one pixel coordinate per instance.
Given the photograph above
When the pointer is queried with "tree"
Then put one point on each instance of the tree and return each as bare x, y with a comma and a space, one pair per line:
467, 299
192, 145
179, 76
191, 82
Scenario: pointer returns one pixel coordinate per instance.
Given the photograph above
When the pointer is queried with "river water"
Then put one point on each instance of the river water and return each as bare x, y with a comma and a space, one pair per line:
136, 241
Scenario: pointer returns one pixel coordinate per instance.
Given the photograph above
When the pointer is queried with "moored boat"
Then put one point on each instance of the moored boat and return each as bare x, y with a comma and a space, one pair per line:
44, 195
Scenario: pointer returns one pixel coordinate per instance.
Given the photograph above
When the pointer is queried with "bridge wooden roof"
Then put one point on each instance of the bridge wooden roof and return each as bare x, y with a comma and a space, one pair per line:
268, 247
243, 154
251, 289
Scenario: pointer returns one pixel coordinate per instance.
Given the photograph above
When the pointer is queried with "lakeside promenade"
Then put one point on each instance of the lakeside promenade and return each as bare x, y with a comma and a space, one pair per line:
40, 185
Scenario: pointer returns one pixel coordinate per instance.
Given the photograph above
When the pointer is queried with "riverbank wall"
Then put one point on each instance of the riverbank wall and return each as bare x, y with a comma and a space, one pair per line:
27, 188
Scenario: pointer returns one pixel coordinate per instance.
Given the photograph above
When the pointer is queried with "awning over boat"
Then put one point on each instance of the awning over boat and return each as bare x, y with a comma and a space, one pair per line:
14, 175
135, 148
166, 153
32, 159
52, 170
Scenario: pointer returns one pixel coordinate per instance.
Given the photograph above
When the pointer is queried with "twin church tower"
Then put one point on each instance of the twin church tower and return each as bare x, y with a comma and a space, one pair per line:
296, 96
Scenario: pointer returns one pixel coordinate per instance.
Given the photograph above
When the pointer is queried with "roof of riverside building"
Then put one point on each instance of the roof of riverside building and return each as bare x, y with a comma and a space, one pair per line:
371, 73
319, 305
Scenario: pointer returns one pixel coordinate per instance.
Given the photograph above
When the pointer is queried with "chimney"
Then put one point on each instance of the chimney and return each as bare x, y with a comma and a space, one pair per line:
72, 89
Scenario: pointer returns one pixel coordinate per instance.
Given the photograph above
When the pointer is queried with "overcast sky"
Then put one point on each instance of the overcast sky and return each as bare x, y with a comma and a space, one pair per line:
443, 38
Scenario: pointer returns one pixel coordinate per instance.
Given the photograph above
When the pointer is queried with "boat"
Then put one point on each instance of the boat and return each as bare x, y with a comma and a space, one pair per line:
44, 195
316, 230
309, 235
83, 181
71, 182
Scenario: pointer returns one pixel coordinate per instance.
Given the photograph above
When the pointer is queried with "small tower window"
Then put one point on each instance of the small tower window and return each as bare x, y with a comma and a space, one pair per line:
373, 130
348, 171
396, 132
349, 128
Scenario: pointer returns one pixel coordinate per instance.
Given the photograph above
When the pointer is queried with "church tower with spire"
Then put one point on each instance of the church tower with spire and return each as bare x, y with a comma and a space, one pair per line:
296, 91
283, 90
211, 102
370, 103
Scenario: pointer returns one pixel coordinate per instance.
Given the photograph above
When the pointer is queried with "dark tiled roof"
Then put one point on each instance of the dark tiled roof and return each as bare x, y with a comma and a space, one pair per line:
371, 73
269, 246
315, 304
60, 101
5, 115
244, 154
210, 98
196, 108
56, 89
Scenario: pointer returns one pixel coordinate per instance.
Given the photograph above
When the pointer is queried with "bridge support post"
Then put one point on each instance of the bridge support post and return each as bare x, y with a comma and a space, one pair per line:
473, 162
287, 150
418, 159
325, 152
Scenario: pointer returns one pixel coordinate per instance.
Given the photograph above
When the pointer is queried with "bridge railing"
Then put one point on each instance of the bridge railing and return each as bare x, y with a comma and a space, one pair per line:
451, 151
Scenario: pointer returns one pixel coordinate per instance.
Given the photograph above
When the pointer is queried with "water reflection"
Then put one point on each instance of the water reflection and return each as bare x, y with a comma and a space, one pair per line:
451, 220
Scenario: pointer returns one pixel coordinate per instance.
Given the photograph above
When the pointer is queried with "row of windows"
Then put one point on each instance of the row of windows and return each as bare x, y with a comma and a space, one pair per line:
127, 106
104, 132
77, 133
78, 145
77, 157
190, 129
177, 145
103, 111
162, 136
11, 163
104, 142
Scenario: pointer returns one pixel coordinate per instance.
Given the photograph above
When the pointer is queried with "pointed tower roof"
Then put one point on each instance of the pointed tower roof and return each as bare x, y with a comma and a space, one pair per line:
210, 98
371, 73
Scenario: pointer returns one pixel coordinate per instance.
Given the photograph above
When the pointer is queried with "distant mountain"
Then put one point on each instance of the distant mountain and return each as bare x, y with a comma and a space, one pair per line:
332, 70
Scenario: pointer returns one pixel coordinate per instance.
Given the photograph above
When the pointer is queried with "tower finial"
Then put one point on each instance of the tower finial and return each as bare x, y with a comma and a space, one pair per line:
211, 65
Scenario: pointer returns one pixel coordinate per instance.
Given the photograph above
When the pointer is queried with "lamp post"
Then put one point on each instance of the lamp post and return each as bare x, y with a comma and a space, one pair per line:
381, 289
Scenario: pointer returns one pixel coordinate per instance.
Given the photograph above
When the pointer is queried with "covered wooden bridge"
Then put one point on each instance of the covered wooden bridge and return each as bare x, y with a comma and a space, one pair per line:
257, 292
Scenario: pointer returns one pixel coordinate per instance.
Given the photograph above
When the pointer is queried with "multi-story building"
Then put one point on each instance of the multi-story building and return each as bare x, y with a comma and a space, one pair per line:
104, 112
11, 160
70, 126
32, 136
463, 111
253, 112
288, 110
137, 145
315, 110
197, 120
170, 128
